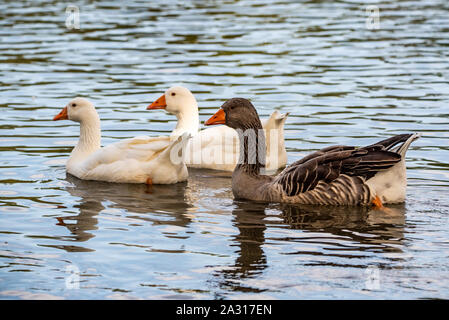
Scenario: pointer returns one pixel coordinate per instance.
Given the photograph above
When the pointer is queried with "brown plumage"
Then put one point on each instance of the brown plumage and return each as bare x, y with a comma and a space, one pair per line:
330, 163
336, 175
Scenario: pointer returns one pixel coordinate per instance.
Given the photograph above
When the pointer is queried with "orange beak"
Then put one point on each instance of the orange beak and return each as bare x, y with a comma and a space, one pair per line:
218, 118
62, 115
158, 104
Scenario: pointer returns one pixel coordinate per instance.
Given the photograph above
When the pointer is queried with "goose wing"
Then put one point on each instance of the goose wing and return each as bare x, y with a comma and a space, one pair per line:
141, 149
330, 163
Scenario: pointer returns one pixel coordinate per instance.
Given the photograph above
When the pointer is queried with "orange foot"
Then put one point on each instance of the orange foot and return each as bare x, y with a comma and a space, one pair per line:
149, 184
377, 203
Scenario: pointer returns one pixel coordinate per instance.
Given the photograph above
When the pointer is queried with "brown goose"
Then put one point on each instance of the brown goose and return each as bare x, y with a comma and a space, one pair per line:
336, 175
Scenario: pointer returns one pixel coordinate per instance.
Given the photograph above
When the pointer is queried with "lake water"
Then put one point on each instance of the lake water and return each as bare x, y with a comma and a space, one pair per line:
342, 82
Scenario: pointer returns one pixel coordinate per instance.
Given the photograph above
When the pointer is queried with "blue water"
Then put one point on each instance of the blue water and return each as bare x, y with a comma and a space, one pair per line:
343, 83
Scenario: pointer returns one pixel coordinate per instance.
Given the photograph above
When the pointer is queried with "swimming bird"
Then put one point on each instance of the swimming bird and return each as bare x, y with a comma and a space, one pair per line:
336, 175
218, 148
150, 160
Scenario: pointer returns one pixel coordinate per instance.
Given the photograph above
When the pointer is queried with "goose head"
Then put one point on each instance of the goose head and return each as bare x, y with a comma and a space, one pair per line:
78, 110
240, 114
237, 113
176, 100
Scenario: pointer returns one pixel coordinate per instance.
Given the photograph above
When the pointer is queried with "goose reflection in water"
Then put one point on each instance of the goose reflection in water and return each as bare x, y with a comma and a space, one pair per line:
366, 229
133, 201
158, 204
358, 219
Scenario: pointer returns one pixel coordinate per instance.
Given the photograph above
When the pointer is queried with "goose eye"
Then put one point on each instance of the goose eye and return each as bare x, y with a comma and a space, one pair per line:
73, 104
173, 94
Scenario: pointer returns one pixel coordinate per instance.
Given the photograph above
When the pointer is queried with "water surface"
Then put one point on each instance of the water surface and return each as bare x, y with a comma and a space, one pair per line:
342, 83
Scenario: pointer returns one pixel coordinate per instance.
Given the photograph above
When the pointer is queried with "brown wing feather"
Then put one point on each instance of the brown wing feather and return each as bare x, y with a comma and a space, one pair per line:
322, 152
389, 143
328, 164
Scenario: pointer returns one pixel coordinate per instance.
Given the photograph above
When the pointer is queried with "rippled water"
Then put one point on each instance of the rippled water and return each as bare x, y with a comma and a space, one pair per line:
342, 83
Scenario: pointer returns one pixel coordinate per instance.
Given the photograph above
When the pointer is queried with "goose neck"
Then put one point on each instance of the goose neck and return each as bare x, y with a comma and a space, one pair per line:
252, 150
187, 122
90, 137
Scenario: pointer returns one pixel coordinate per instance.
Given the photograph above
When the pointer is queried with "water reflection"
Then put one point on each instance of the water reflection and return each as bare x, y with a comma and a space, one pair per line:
355, 228
134, 201
365, 228
342, 84
250, 257
328, 218
209, 190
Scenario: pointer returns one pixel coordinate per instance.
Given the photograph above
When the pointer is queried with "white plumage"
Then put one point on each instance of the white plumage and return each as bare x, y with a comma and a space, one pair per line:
218, 147
141, 159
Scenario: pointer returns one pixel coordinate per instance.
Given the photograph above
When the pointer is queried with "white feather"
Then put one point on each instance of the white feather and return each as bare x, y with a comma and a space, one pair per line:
134, 160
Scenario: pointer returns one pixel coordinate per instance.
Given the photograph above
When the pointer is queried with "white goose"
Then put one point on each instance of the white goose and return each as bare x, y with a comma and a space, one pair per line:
218, 147
137, 160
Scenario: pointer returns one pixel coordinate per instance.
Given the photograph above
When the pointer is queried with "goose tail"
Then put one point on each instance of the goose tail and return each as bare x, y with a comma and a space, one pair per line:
402, 149
398, 144
279, 118
276, 156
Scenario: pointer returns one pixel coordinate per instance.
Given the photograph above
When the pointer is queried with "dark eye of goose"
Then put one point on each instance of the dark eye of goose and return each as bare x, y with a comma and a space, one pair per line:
73, 104
173, 94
